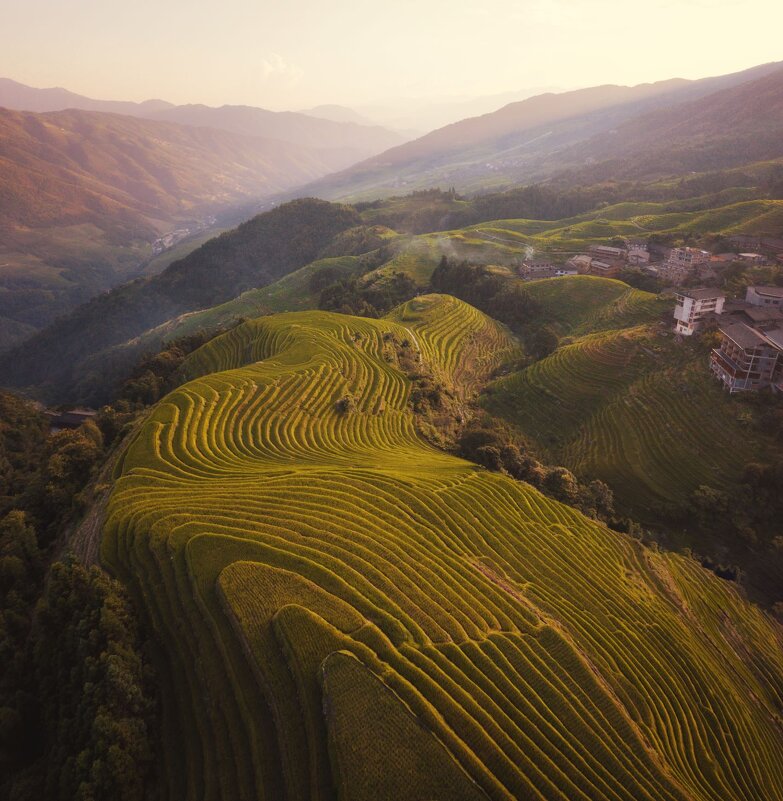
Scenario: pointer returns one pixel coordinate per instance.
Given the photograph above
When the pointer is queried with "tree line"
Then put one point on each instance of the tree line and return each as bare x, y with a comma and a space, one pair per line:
78, 716
499, 298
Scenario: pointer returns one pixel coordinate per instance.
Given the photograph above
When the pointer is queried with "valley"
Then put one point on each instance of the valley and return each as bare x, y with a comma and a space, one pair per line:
339, 465
90, 197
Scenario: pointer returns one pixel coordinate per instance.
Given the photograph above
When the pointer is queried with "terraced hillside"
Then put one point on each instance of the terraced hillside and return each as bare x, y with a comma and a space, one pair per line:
633, 220
581, 304
343, 611
628, 406
622, 401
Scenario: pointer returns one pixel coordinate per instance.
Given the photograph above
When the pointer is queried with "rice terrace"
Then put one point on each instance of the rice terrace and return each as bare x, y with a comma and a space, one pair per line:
315, 569
391, 401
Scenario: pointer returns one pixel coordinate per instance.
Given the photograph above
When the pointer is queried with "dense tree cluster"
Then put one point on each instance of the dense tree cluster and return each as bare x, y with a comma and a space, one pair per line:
374, 299
92, 693
155, 375
75, 710
738, 276
23, 434
500, 298
487, 443
639, 280
753, 511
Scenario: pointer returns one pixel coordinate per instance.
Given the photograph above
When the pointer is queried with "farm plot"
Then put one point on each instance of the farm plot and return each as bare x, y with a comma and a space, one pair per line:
628, 407
346, 612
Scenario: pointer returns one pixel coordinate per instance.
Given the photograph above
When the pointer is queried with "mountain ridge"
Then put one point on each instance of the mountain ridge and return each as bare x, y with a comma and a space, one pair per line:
510, 145
357, 140
85, 194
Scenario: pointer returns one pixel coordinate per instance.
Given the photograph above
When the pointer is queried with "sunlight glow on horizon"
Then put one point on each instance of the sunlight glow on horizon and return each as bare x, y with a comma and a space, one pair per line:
307, 52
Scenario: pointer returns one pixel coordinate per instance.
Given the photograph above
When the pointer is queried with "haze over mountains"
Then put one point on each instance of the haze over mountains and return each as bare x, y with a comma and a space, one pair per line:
424, 115
348, 140
89, 185
89, 191
362, 469
529, 140
86, 193
411, 117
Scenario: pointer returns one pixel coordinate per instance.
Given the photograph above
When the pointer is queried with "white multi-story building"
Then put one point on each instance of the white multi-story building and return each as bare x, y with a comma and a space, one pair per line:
748, 359
694, 306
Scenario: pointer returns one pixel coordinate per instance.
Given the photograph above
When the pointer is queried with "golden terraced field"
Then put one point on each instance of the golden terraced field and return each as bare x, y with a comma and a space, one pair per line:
343, 611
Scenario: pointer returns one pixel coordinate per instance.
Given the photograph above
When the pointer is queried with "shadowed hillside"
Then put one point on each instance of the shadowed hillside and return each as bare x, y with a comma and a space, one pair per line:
84, 195
79, 357
623, 401
256, 253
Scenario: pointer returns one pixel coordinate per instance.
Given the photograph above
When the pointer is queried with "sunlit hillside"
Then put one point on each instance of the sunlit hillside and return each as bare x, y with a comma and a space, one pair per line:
345, 611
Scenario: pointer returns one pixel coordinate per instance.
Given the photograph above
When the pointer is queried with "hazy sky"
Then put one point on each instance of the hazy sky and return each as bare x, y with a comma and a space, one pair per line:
298, 53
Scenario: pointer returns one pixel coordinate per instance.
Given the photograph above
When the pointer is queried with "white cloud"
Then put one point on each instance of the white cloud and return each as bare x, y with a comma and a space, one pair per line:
274, 66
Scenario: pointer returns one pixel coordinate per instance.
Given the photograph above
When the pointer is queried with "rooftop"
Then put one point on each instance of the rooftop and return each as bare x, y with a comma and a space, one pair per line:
744, 335
690, 250
701, 294
776, 337
760, 314
771, 291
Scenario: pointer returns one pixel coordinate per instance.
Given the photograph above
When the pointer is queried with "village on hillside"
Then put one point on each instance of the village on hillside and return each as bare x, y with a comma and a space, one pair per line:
672, 266
749, 356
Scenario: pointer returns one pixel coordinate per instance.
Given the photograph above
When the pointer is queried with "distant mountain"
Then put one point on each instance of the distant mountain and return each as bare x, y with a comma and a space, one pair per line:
18, 96
337, 114
728, 128
423, 116
253, 255
83, 195
85, 192
344, 142
347, 140
519, 142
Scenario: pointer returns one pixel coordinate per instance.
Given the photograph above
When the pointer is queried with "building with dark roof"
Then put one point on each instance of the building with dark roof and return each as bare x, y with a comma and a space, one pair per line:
748, 359
765, 296
72, 418
765, 318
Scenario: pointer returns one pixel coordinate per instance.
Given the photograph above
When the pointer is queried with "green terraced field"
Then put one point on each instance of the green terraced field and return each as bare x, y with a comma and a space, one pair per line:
343, 611
628, 406
634, 220
579, 304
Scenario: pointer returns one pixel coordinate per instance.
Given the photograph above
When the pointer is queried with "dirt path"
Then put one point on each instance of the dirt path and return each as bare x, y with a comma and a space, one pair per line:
84, 537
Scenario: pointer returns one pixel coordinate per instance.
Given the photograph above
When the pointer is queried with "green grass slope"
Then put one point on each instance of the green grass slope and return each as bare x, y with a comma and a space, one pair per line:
630, 407
578, 304
346, 612
634, 220
623, 401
